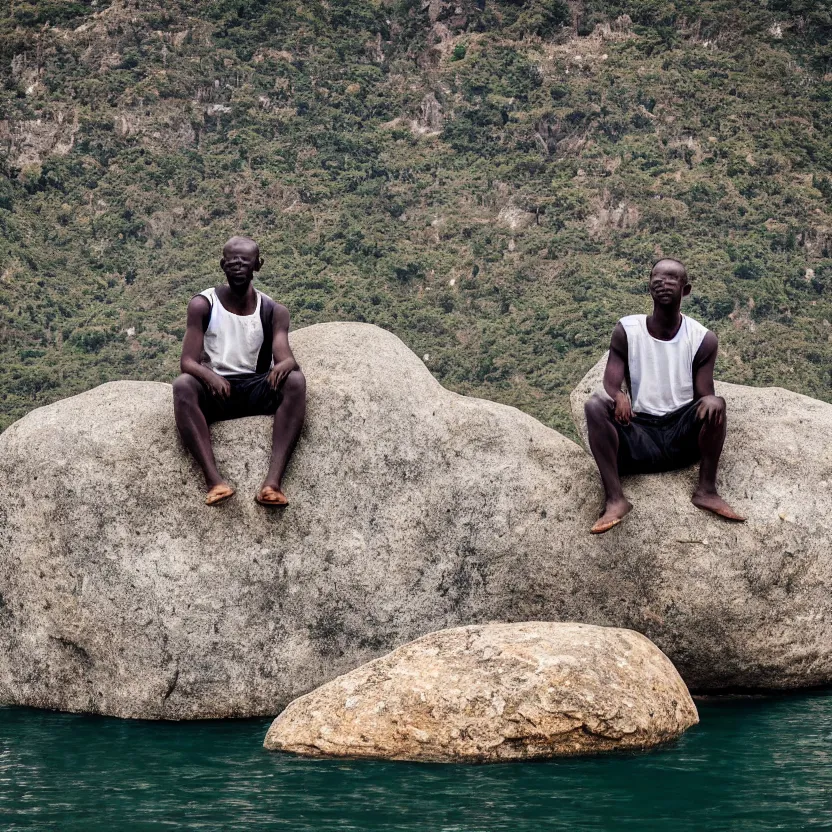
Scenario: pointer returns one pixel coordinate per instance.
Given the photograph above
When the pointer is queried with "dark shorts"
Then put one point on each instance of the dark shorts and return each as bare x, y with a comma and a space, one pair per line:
650, 444
251, 395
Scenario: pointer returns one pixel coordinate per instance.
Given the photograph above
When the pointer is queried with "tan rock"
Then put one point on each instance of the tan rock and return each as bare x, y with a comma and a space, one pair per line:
30, 142
495, 692
514, 218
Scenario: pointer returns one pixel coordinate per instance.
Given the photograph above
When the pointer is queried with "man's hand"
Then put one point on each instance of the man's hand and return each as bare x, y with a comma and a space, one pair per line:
218, 386
280, 372
711, 410
623, 410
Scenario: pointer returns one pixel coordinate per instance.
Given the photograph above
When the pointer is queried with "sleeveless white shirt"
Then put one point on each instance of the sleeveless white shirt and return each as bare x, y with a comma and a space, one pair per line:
661, 372
231, 341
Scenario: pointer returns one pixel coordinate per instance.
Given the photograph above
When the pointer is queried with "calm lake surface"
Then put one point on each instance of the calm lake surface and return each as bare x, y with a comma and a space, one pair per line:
752, 764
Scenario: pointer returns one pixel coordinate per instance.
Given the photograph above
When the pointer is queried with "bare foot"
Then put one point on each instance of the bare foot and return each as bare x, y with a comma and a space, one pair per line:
218, 493
270, 496
614, 512
711, 501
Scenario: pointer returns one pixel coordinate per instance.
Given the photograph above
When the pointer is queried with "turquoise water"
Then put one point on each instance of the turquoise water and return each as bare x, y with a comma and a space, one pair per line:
752, 764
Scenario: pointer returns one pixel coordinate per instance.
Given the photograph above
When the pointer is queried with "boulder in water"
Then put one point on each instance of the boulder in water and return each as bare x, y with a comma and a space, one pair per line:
495, 692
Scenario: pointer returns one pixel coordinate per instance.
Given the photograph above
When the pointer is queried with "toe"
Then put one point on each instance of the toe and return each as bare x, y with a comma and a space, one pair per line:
218, 493
604, 525
269, 496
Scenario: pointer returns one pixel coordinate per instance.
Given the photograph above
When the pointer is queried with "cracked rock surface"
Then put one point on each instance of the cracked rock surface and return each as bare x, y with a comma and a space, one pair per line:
495, 692
413, 509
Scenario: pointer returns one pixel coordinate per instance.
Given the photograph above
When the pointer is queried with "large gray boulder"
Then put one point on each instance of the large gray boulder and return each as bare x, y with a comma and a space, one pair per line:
495, 692
752, 598
413, 509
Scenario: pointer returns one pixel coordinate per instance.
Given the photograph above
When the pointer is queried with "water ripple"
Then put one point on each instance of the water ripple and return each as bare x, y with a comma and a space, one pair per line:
753, 764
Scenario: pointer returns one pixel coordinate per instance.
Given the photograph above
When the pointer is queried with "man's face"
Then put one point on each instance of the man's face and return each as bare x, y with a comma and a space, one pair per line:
240, 260
668, 283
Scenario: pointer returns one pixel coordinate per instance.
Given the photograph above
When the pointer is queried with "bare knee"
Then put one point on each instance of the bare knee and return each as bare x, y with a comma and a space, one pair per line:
186, 391
295, 385
598, 409
711, 412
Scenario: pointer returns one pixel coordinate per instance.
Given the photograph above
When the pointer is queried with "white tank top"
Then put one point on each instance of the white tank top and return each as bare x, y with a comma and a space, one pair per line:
661, 372
231, 341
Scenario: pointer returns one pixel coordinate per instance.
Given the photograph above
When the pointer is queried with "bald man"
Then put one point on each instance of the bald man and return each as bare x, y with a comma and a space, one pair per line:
236, 361
673, 418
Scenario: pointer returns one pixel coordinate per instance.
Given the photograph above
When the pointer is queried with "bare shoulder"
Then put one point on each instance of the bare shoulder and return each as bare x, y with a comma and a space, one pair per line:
280, 314
198, 306
708, 348
710, 342
618, 342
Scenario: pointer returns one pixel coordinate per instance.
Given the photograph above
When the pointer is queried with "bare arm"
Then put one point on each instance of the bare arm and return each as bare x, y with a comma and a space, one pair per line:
199, 313
284, 360
615, 373
616, 363
280, 336
711, 407
703, 366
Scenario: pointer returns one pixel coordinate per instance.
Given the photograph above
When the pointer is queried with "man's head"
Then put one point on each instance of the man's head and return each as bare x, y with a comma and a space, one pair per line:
240, 260
668, 282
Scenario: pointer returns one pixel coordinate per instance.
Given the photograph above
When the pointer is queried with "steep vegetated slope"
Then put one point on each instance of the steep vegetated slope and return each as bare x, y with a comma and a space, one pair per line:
489, 180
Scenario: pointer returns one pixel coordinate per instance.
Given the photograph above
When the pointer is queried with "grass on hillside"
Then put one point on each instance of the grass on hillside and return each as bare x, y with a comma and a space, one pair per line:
490, 184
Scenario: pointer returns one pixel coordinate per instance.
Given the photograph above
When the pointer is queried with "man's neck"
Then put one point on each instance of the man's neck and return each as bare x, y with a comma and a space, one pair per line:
239, 301
665, 322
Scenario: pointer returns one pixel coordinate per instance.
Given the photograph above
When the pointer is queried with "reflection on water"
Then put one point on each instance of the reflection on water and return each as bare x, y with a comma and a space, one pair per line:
752, 764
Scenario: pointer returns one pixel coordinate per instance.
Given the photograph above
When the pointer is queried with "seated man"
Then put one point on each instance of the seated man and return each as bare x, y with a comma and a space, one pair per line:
236, 361
674, 419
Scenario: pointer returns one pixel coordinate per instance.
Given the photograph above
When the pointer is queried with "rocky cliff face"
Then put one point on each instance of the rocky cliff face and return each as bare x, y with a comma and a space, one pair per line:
413, 509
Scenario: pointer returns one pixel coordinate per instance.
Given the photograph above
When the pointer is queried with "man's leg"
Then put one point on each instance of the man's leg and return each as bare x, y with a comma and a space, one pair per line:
711, 440
288, 422
196, 437
603, 442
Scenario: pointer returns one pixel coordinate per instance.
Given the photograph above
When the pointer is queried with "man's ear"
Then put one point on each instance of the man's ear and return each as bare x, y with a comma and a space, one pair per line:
259, 264
222, 262
686, 290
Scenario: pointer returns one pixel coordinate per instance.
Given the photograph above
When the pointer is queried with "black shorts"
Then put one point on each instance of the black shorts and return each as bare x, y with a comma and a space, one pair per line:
251, 395
650, 444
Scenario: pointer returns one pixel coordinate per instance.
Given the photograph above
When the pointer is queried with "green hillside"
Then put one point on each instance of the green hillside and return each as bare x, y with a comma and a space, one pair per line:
489, 180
